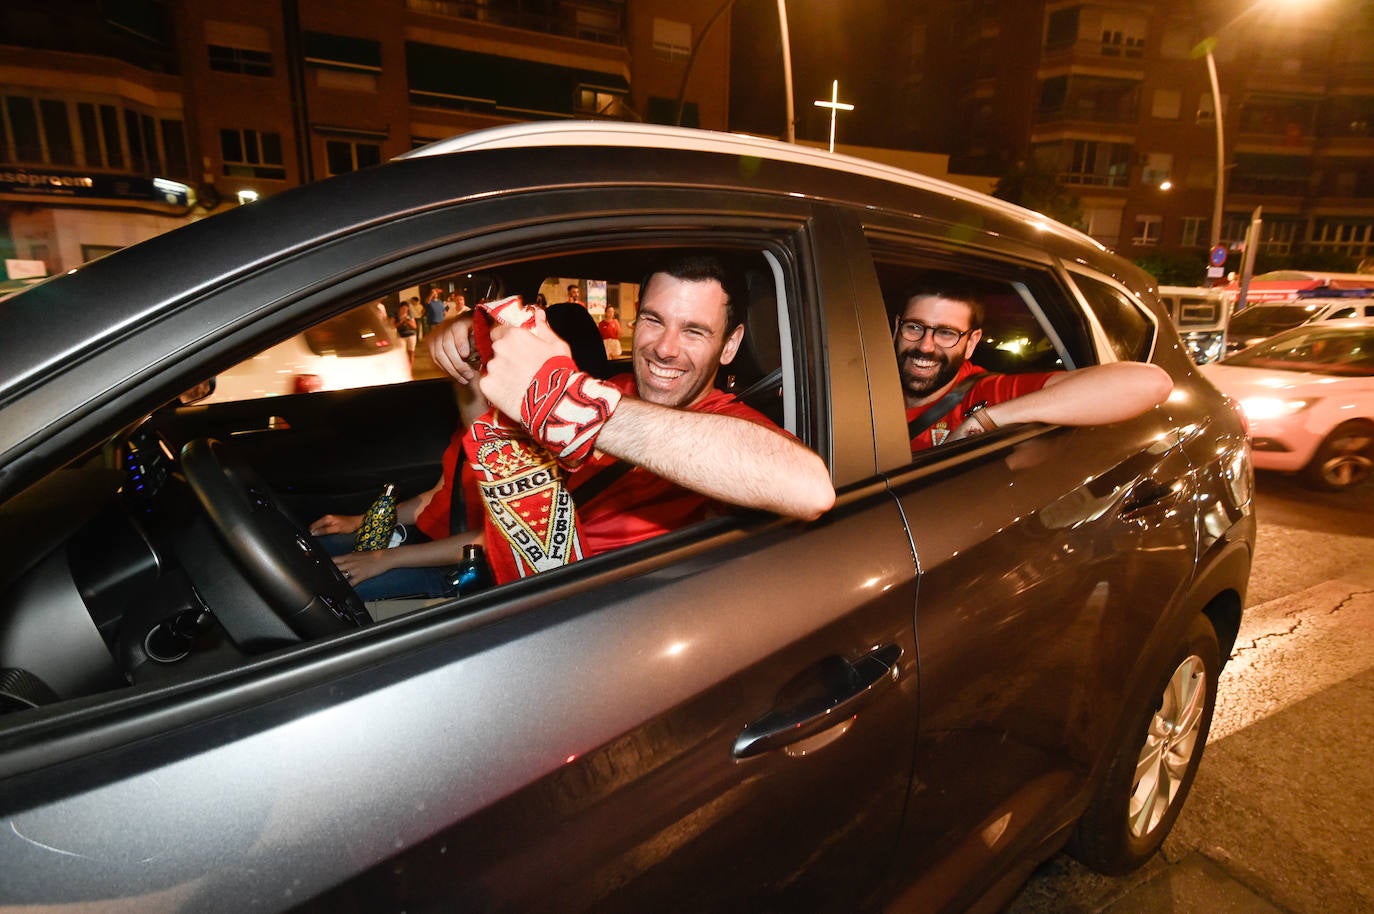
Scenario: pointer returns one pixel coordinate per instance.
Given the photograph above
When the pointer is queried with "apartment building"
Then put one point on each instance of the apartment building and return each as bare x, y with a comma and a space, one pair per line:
1114, 100
121, 120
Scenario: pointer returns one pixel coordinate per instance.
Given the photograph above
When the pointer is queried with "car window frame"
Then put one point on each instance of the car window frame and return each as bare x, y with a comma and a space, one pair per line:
1076, 346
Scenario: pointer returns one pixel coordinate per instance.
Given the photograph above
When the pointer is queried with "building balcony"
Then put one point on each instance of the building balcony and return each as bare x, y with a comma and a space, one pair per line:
599, 21
1268, 185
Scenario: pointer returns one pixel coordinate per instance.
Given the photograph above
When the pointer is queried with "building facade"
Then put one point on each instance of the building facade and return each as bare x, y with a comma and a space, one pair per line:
1113, 99
121, 121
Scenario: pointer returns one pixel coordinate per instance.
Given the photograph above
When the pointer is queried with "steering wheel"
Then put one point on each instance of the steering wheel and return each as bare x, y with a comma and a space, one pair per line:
296, 577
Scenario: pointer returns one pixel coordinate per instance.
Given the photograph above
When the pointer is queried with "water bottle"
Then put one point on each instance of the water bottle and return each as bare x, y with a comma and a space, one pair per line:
378, 523
473, 574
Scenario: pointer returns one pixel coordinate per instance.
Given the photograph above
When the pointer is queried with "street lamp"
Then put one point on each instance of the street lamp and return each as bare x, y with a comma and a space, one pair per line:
1204, 49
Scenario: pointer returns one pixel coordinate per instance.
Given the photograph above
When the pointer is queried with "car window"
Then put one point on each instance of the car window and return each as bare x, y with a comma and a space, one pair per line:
1266, 320
1123, 319
1031, 323
360, 348
1325, 350
333, 451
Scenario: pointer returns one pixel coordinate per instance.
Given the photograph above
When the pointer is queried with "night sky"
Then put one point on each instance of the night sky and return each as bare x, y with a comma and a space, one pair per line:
830, 41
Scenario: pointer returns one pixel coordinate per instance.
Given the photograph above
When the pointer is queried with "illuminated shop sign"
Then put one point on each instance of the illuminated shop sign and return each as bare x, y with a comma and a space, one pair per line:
108, 187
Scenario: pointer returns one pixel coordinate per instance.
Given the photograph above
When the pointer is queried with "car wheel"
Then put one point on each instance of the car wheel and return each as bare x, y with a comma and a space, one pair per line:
1149, 777
1345, 458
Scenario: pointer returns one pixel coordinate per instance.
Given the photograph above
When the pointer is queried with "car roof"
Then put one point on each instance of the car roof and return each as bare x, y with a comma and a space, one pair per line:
655, 136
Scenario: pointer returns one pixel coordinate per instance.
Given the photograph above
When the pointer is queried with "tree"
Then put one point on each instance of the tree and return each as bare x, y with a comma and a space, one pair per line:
1035, 186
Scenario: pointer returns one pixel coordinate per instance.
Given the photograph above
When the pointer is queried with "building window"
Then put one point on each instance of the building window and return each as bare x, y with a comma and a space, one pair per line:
1103, 223
342, 52
57, 130
1158, 168
1166, 104
1123, 34
240, 60
672, 40
42, 132
1098, 164
1147, 230
252, 154
1353, 238
600, 103
1193, 231
25, 138
344, 156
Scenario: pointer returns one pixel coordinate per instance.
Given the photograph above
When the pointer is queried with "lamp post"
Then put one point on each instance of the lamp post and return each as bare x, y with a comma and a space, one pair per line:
1220, 192
1204, 49
791, 125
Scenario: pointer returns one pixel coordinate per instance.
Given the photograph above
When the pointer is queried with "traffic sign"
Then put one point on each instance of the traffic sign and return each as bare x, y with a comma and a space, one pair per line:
1218, 256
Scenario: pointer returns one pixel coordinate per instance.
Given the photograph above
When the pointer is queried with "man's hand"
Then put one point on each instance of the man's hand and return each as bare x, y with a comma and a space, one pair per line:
517, 355
965, 429
451, 347
336, 523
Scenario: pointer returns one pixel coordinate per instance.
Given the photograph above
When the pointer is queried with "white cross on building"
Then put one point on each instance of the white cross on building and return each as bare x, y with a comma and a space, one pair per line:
835, 106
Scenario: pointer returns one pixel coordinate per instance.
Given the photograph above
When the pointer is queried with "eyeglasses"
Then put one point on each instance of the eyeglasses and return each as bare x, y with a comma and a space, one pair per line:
945, 337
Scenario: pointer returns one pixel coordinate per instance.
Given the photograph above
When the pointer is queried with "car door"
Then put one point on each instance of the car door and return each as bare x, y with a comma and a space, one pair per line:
718, 719
1044, 554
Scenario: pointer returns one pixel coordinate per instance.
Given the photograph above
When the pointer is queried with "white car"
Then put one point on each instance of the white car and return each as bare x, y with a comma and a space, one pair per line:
1263, 320
359, 348
1308, 396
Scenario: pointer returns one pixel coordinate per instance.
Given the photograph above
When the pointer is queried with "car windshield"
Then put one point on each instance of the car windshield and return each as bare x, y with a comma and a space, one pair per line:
362, 331
1266, 320
1323, 350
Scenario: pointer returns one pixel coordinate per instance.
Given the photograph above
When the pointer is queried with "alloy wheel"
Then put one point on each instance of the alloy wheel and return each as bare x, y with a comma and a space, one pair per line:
1169, 746
1347, 460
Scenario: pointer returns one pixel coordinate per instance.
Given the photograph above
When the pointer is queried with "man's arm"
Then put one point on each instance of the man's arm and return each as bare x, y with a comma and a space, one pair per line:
723, 457
1096, 395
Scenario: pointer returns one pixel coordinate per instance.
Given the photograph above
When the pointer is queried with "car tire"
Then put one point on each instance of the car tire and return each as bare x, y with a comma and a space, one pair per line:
1345, 459
1149, 776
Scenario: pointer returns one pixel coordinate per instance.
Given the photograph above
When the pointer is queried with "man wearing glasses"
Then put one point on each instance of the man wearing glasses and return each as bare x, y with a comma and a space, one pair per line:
948, 397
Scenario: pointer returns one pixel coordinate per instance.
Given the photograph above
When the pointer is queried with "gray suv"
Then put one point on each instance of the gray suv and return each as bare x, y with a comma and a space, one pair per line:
982, 654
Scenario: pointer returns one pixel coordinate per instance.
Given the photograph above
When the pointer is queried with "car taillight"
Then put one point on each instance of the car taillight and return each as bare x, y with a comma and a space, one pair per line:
308, 384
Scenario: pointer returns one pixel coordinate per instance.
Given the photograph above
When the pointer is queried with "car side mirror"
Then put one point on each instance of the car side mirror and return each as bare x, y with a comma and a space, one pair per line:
197, 393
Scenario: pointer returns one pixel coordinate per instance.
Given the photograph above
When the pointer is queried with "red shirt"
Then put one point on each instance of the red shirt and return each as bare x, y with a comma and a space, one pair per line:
433, 519
994, 389
640, 505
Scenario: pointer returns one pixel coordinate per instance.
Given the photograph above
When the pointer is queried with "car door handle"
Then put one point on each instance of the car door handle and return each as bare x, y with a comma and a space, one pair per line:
845, 687
1150, 493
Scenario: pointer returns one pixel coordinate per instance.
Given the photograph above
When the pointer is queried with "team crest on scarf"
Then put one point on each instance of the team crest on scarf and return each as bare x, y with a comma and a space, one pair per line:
938, 433
527, 503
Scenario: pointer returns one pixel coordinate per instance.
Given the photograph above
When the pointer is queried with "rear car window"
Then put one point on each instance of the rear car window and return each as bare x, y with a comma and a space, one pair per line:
1266, 320
1129, 331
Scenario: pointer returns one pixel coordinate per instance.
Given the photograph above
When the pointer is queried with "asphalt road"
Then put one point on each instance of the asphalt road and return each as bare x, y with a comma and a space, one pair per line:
1278, 819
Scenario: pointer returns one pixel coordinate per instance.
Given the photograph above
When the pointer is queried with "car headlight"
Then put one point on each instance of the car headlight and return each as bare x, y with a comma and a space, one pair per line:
1272, 407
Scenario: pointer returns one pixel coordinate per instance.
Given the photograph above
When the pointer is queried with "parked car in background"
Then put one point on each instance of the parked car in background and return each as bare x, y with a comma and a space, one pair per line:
358, 348
1200, 316
1308, 395
1263, 320
983, 653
